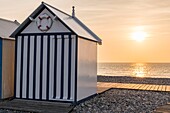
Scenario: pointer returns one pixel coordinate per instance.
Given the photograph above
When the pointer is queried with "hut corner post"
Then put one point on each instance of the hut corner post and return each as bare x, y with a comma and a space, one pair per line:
0, 68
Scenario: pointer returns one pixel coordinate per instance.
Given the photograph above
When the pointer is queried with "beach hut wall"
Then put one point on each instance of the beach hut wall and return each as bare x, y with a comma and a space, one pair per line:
7, 56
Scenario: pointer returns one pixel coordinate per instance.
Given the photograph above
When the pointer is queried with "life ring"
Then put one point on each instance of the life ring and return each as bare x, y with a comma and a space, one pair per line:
44, 22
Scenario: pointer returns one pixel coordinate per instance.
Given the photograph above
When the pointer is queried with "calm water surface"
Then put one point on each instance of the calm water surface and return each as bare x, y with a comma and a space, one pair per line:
154, 70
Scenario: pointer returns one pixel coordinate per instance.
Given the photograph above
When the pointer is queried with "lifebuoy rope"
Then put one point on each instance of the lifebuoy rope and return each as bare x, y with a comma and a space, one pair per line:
49, 22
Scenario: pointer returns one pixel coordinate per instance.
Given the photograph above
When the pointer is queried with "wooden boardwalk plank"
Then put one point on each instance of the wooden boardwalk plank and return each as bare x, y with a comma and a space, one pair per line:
140, 85
156, 88
149, 87
159, 86
144, 88
153, 87
122, 86
111, 85
163, 87
102, 86
102, 89
135, 85
143, 85
168, 88
37, 106
115, 85
129, 86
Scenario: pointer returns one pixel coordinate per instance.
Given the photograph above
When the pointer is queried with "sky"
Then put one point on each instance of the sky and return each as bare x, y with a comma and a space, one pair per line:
115, 22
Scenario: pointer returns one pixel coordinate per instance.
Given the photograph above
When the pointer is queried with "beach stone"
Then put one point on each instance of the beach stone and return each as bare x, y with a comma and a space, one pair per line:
121, 100
125, 101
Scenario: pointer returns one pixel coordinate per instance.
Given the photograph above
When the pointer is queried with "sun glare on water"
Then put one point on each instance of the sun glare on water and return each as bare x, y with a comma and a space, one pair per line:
139, 70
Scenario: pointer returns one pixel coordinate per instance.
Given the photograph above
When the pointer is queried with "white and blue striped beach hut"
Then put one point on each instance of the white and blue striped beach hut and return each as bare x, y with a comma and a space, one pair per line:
56, 57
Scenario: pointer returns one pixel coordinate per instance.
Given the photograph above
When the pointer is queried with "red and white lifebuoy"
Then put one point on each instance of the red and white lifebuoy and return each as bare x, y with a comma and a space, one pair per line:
44, 22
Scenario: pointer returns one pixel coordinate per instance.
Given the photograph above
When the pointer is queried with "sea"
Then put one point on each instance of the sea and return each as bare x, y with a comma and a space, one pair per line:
151, 70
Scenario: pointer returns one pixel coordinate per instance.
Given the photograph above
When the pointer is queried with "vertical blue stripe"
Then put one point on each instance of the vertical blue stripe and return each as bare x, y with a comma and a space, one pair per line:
21, 69
41, 67
35, 65
0, 68
62, 67
76, 66
28, 67
48, 67
55, 68
69, 67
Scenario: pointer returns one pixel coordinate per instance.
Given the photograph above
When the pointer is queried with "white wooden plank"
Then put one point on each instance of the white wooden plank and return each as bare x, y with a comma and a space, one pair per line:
73, 67
51, 67
66, 45
31, 67
59, 44
24, 80
44, 67
37, 93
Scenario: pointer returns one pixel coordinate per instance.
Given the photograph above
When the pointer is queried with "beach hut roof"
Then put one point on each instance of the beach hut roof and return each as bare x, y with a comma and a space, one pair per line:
7, 27
71, 22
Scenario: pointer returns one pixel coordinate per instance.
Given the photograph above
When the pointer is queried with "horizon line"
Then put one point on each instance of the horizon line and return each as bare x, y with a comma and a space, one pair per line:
134, 62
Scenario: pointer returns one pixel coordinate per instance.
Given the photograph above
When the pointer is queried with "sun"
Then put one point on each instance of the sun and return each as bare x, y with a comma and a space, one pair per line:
139, 36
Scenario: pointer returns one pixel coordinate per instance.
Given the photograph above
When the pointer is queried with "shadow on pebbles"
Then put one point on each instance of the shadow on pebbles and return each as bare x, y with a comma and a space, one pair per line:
124, 101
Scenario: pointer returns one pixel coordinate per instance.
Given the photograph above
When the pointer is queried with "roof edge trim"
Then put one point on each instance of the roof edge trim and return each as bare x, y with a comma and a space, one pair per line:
27, 21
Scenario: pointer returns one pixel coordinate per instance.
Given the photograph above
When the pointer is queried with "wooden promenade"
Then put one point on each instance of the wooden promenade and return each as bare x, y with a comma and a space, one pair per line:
103, 86
32, 106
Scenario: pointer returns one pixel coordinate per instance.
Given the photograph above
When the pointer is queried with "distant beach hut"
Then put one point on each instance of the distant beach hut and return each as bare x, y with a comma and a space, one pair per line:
56, 57
7, 55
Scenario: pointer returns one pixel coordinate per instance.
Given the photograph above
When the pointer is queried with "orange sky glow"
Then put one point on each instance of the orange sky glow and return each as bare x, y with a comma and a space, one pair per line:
131, 30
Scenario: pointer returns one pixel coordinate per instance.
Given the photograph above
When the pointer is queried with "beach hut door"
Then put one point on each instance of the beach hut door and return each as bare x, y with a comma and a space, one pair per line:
63, 61
45, 68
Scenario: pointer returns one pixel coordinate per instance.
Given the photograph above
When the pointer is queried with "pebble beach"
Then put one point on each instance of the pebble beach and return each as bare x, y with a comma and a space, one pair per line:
126, 101
135, 80
122, 100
